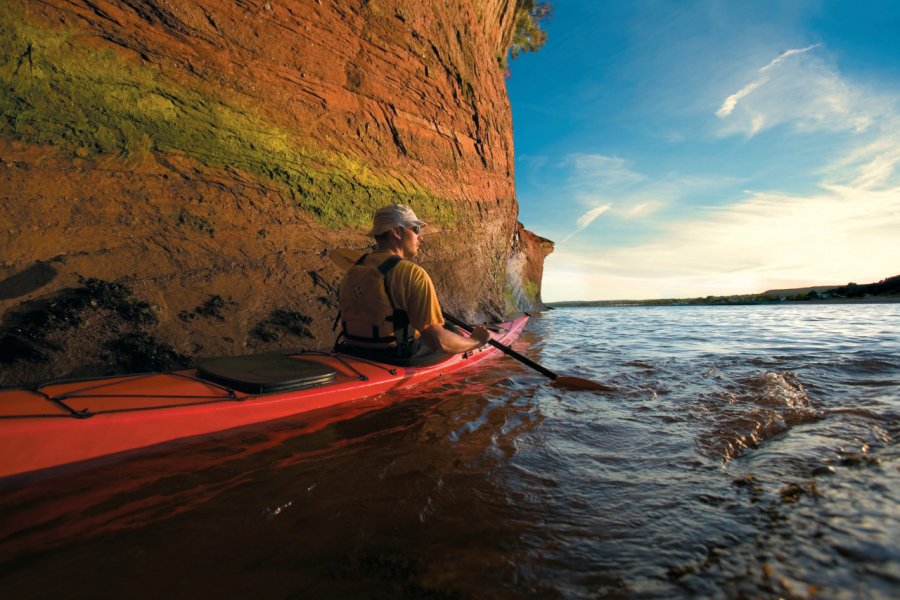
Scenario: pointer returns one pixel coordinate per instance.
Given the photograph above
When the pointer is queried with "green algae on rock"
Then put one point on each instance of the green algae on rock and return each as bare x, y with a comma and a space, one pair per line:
56, 89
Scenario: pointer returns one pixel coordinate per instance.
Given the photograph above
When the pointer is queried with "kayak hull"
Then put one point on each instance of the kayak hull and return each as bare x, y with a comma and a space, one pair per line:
69, 422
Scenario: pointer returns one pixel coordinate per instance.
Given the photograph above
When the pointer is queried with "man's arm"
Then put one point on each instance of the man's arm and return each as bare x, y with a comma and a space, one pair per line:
438, 338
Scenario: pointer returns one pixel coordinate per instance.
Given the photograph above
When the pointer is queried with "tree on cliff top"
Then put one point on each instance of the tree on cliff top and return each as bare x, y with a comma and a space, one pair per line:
528, 35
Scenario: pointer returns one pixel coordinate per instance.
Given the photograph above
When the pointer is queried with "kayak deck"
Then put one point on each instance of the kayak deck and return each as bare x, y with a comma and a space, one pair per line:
66, 422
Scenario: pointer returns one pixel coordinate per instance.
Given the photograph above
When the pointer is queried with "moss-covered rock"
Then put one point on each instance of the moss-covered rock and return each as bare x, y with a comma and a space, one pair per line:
56, 89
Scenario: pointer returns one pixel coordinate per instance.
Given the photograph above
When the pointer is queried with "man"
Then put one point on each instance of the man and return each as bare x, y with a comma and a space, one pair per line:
388, 305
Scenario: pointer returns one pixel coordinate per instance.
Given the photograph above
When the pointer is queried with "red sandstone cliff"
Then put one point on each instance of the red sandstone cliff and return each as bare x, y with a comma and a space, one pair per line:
525, 269
173, 174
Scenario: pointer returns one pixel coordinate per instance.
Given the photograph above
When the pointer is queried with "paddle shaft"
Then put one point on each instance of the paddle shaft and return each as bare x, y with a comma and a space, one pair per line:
506, 349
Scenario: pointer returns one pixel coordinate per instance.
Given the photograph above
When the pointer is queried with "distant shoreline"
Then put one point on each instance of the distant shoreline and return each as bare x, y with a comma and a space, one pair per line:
625, 303
883, 292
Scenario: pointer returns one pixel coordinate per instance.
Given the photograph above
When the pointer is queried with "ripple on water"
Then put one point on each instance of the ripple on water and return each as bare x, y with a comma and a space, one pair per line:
745, 453
746, 411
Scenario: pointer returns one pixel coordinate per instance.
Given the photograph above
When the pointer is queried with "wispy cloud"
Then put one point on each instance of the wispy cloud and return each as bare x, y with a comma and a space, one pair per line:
768, 241
586, 219
800, 88
731, 101
613, 186
598, 173
589, 217
787, 54
639, 210
594, 178
874, 163
736, 159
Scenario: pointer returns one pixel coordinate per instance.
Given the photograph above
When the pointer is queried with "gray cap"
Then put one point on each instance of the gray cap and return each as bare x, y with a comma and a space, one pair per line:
394, 215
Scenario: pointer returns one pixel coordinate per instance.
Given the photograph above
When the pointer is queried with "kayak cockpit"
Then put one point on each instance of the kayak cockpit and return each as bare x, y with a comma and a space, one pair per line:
265, 373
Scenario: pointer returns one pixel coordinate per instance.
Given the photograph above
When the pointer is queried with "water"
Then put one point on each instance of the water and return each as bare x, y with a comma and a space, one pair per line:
747, 452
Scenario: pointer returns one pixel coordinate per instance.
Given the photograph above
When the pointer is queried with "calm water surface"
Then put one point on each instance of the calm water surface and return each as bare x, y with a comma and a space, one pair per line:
747, 452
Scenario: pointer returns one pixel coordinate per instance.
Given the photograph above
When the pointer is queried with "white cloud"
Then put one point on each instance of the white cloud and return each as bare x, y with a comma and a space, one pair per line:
642, 209
732, 100
592, 179
589, 217
769, 241
608, 184
596, 172
586, 219
785, 55
873, 164
801, 89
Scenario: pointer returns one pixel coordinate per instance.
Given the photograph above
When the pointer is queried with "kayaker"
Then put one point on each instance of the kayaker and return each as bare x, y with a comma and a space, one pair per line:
389, 310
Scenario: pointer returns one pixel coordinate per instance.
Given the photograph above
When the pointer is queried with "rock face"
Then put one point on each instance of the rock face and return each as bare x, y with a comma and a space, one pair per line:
173, 174
525, 269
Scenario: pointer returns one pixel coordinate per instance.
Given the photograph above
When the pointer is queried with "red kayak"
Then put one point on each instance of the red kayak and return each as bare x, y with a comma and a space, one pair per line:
67, 422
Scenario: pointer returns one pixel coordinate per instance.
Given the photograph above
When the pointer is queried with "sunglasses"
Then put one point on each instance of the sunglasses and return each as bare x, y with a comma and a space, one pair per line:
414, 228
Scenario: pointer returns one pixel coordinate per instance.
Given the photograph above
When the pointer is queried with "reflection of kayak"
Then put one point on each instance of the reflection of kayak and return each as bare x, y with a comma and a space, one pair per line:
67, 422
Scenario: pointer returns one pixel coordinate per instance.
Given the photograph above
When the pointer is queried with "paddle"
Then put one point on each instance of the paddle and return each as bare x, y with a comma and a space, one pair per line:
563, 380
346, 258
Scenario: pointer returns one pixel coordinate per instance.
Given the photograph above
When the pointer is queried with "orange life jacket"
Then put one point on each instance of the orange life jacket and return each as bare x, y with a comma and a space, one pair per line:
368, 316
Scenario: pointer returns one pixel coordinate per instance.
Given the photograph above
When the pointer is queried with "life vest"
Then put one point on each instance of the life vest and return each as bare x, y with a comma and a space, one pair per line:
368, 316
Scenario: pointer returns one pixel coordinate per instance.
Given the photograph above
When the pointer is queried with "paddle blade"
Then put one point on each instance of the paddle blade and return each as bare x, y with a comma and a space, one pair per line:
345, 258
577, 383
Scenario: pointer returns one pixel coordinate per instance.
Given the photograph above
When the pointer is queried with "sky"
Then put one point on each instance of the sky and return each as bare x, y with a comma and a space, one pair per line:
679, 149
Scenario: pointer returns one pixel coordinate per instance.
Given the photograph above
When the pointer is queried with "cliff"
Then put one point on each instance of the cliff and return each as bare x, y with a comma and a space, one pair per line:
174, 174
525, 269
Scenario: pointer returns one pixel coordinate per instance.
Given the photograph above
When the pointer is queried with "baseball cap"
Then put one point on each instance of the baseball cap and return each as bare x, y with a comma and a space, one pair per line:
393, 215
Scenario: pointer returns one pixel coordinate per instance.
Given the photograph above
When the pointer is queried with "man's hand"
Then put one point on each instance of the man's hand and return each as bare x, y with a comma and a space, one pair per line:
481, 334
438, 338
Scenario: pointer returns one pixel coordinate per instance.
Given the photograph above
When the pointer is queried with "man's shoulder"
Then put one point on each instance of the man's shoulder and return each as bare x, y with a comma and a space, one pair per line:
408, 269
377, 259
403, 265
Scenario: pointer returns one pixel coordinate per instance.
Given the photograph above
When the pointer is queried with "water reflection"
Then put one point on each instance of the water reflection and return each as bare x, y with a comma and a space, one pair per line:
747, 452
386, 500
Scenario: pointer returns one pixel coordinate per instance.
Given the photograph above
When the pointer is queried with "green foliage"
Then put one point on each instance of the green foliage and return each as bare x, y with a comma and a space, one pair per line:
885, 287
532, 289
521, 298
528, 35
510, 303
56, 91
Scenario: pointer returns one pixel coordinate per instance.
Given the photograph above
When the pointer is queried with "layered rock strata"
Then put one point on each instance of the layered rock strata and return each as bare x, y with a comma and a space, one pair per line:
173, 174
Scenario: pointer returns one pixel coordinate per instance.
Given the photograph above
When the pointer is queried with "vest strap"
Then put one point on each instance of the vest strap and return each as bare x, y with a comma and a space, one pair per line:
363, 338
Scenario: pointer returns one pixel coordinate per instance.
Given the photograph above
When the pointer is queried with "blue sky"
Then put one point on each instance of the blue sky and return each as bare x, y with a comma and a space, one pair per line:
693, 148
